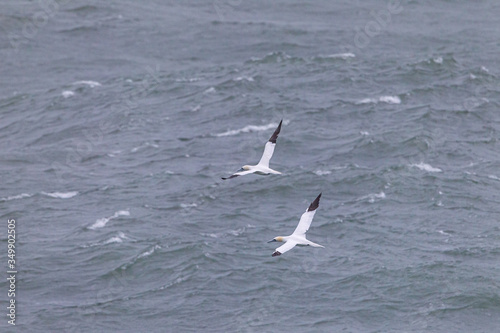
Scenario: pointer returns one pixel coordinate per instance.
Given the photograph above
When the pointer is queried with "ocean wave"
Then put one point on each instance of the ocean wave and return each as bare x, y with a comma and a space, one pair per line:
232, 232
101, 223
322, 172
251, 128
146, 145
16, 197
382, 99
119, 238
244, 78
343, 56
67, 93
61, 195
372, 197
426, 167
274, 57
149, 252
191, 205
91, 84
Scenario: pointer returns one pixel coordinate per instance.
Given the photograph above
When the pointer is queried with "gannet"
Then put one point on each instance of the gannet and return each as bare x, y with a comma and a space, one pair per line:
298, 237
262, 168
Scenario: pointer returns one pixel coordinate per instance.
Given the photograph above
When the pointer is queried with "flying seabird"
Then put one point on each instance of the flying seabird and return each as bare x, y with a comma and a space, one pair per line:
298, 237
262, 168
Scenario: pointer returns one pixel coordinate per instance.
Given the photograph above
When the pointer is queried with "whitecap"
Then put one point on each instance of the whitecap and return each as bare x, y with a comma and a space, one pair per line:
372, 197
146, 145
366, 101
426, 167
484, 69
189, 79
390, 99
494, 177
16, 197
100, 223
91, 84
188, 205
150, 252
438, 60
67, 93
251, 128
364, 133
209, 90
246, 78
61, 195
322, 172
196, 108
115, 239
114, 153
341, 55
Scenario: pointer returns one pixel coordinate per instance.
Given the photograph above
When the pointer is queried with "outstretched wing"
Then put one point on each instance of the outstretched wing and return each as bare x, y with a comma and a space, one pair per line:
268, 153
283, 248
307, 217
269, 148
239, 173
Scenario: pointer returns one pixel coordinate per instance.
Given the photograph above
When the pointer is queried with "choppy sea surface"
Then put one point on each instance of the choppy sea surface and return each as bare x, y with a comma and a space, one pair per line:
119, 118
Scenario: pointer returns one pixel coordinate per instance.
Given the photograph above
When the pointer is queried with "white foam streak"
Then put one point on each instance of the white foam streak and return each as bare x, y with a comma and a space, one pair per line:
382, 99
91, 84
372, 197
390, 99
246, 78
251, 128
16, 197
61, 195
426, 167
67, 93
101, 223
341, 56
150, 252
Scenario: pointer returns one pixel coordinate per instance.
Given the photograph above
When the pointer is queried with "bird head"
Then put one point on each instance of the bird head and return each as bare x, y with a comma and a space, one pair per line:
246, 167
276, 239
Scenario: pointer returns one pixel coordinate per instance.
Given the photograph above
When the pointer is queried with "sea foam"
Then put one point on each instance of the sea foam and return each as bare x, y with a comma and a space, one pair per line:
61, 195
91, 84
16, 197
101, 223
426, 167
251, 128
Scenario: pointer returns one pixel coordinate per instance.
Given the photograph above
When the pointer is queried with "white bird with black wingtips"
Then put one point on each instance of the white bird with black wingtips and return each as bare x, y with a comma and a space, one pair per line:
298, 237
262, 168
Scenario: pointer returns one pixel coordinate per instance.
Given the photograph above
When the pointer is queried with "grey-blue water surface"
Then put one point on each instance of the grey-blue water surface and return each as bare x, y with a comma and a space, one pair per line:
118, 119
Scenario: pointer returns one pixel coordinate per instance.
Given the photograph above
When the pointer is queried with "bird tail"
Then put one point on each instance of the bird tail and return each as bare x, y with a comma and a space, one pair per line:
315, 245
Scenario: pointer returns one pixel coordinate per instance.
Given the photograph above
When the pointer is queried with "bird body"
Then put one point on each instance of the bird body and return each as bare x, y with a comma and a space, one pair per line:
298, 237
262, 168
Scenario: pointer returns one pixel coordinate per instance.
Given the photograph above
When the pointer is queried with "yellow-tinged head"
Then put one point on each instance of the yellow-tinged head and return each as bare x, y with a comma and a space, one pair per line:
277, 239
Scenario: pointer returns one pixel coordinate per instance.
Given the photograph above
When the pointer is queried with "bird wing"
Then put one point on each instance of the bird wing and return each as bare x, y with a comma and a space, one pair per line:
269, 149
268, 153
307, 217
285, 247
239, 173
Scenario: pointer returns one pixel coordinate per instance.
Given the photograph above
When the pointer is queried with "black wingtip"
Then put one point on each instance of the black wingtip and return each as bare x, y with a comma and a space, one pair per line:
314, 204
276, 132
232, 176
276, 253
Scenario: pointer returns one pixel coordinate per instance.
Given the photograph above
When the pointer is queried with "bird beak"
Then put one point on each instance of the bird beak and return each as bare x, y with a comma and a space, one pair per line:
272, 240
241, 169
